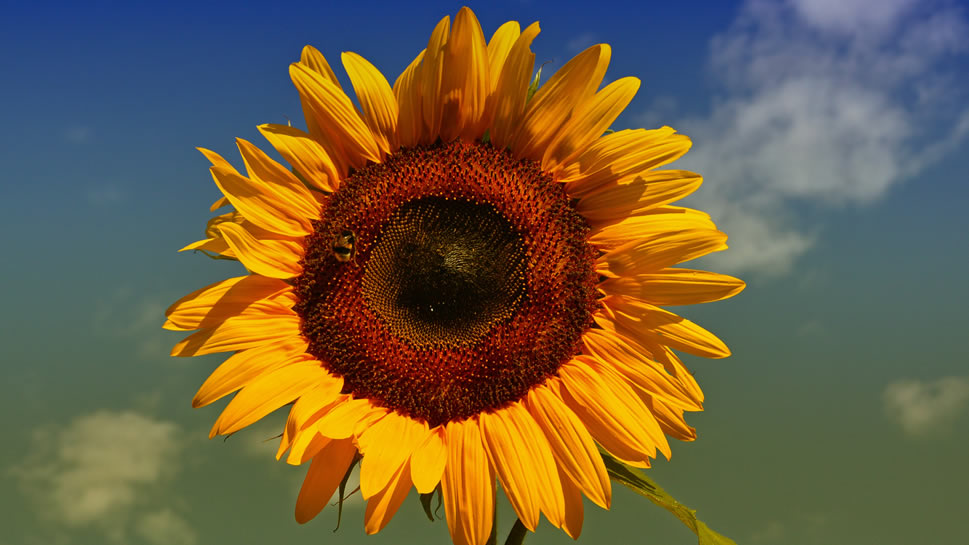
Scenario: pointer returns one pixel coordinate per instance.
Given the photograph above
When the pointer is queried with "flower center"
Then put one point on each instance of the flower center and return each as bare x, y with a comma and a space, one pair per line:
443, 271
446, 281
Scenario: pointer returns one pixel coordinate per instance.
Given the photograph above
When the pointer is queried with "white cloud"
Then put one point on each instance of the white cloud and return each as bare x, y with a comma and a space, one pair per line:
164, 527
925, 407
77, 135
827, 103
100, 467
105, 195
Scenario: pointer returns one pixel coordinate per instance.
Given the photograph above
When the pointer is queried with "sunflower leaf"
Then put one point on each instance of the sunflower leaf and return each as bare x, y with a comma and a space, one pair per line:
343, 487
426, 504
533, 86
639, 483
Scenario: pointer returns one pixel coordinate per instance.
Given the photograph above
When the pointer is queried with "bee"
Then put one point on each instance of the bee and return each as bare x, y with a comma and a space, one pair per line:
343, 246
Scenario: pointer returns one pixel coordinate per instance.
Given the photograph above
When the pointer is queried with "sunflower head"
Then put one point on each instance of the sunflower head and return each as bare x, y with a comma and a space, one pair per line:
456, 282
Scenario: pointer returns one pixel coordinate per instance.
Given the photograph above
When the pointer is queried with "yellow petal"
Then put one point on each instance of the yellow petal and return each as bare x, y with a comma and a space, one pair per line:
431, 74
217, 160
260, 203
275, 258
215, 245
675, 287
313, 404
315, 61
660, 251
238, 333
306, 444
468, 485
554, 102
651, 223
323, 477
336, 117
511, 88
520, 454
245, 366
612, 350
621, 154
212, 305
573, 507
428, 460
266, 394
290, 194
465, 82
615, 416
571, 444
376, 99
407, 90
589, 122
615, 202
670, 419
383, 504
340, 421
385, 446
499, 46
663, 327
305, 154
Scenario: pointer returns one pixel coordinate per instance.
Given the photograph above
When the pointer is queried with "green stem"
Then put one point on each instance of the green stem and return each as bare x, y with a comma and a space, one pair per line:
517, 534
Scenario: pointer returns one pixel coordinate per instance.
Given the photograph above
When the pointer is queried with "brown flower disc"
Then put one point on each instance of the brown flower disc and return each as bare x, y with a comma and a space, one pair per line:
471, 281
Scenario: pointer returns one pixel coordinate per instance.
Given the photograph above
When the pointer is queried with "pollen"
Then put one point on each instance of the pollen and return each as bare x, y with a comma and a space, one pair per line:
472, 281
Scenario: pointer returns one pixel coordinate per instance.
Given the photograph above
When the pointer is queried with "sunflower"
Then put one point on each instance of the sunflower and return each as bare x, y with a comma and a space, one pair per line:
458, 281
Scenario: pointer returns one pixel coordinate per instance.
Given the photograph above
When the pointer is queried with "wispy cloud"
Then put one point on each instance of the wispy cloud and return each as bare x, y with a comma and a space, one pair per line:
99, 469
164, 527
104, 195
126, 314
925, 407
77, 135
826, 103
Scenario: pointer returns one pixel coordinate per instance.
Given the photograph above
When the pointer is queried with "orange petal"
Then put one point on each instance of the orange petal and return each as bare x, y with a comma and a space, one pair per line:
305, 154
266, 394
468, 485
571, 444
511, 88
323, 477
276, 258
245, 366
520, 454
465, 82
376, 99
428, 460
384, 503
315, 61
238, 333
385, 446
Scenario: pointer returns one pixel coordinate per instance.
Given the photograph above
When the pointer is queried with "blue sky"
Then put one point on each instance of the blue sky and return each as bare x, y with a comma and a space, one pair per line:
832, 136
